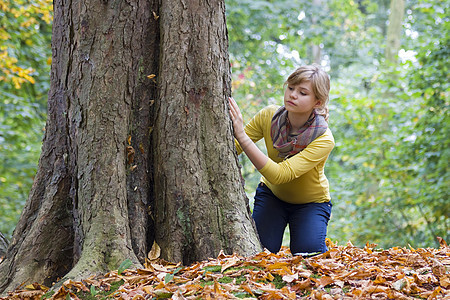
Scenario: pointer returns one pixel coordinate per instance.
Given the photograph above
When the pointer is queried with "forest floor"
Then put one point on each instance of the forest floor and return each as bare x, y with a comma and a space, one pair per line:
344, 272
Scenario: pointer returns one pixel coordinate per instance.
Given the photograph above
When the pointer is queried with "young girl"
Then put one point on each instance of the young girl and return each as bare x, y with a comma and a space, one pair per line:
293, 189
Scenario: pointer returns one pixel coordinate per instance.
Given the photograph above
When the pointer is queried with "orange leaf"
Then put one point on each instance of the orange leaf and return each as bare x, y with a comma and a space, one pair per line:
247, 288
324, 280
269, 276
445, 281
436, 292
379, 279
229, 263
148, 289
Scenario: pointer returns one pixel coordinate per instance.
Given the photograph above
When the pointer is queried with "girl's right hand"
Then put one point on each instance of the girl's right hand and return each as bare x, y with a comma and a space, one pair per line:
236, 117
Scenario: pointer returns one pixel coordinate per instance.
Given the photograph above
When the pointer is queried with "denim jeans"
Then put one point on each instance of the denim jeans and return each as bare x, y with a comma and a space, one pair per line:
307, 222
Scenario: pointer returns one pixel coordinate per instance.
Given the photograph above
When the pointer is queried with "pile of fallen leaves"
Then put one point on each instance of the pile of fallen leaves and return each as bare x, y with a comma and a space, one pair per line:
344, 272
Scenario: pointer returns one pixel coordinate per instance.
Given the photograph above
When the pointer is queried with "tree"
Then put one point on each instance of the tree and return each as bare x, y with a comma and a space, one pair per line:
394, 30
137, 130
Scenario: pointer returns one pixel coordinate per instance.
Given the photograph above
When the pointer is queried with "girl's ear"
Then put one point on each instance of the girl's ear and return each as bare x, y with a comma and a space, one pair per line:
318, 104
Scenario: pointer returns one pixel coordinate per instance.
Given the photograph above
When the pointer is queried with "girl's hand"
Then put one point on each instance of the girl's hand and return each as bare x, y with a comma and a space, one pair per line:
255, 155
236, 117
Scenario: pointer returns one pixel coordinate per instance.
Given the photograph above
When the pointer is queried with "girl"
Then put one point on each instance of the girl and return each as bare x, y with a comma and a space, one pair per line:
293, 188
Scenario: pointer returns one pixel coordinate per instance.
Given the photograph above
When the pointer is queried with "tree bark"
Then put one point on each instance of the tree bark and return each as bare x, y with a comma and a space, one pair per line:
76, 217
137, 131
201, 206
3, 245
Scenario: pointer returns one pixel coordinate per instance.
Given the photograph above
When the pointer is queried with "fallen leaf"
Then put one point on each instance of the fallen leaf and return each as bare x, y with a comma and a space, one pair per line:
155, 252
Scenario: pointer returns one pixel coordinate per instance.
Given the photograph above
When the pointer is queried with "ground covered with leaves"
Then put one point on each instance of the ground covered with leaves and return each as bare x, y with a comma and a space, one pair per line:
344, 272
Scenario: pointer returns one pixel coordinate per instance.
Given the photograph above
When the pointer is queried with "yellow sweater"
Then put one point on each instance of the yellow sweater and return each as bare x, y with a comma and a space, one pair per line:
300, 178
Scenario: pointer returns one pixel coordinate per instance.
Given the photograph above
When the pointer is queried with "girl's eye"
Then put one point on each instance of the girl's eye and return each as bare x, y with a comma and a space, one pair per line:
290, 88
303, 94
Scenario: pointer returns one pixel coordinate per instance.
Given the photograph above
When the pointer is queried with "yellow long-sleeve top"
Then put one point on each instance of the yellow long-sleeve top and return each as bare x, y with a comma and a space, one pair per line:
300, 178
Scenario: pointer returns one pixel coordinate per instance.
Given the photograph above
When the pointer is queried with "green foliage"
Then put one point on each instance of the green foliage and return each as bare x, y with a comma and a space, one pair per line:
169, 276
93, 291
388, 173
124, 265
24, 81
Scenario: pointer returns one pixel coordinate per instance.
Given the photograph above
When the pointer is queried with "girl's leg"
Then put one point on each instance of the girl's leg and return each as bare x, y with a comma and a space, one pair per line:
308, 226
270, 218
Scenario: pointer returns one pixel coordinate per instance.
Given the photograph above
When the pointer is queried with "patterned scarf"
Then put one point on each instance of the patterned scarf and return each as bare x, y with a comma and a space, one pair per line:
289, 144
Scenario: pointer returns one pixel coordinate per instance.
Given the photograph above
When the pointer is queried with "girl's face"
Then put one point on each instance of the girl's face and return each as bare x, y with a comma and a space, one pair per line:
300, 98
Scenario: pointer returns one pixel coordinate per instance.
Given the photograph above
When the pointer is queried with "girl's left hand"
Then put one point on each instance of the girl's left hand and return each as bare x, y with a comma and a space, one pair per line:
236, 117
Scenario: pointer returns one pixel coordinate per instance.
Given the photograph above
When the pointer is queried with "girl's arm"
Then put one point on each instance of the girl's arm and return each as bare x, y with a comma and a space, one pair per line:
256, 156
301, 163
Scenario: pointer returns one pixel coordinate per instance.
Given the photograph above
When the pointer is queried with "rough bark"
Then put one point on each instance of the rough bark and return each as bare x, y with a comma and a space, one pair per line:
76, 213
3, 245
200, 203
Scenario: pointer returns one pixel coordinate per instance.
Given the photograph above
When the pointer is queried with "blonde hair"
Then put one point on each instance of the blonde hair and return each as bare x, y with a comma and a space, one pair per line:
320, 83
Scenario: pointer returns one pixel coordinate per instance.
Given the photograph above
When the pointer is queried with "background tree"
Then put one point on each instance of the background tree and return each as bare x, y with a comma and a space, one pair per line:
394, 32
87, 212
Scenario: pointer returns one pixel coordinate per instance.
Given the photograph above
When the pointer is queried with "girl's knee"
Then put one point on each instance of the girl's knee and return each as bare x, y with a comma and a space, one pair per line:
309, 246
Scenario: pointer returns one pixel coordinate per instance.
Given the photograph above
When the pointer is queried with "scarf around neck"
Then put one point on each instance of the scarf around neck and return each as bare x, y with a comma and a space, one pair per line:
289, 144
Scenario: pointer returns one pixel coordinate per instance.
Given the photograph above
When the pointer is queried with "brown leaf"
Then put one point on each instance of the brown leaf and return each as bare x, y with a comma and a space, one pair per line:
75, 284
290, 278
323, 281
444, 281
442, 242
434, 294
247, 288
155, 252
438, 268
379, 280
130, 154
229, 262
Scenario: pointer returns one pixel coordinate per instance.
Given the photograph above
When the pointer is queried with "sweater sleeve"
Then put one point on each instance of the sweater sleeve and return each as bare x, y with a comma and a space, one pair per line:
254, 129
297, 165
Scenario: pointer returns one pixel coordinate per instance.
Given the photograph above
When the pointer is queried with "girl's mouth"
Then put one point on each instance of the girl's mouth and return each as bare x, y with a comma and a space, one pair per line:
291, 103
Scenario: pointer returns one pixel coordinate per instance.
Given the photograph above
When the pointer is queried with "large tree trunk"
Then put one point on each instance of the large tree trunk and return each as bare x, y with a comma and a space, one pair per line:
79, 214
100, 175
201, 206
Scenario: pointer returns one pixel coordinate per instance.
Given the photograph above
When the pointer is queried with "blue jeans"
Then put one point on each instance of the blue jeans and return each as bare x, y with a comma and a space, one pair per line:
307, 222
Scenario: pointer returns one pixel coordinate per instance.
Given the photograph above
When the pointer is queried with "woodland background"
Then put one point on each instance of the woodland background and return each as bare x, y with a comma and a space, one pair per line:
389, 171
